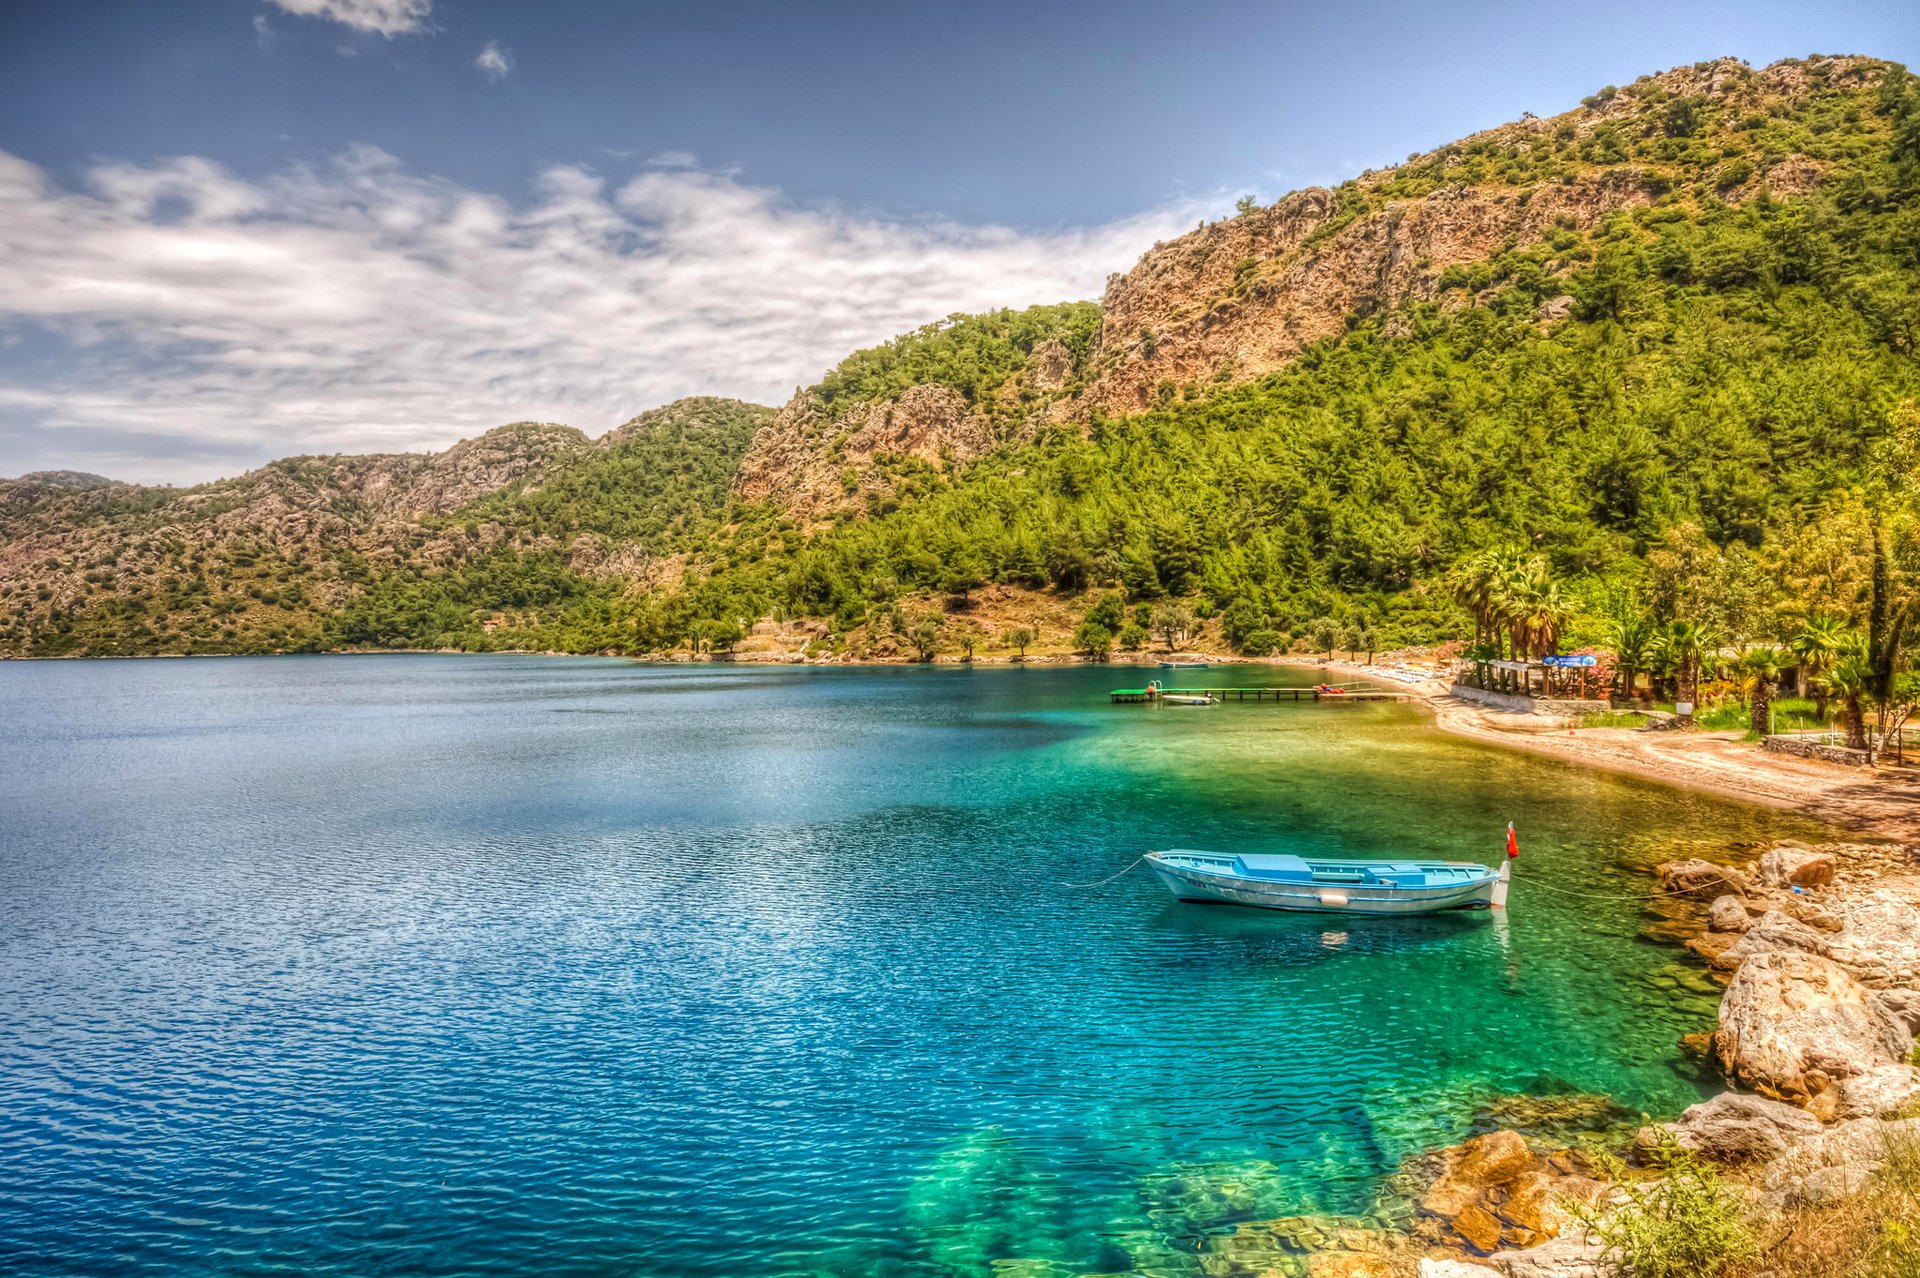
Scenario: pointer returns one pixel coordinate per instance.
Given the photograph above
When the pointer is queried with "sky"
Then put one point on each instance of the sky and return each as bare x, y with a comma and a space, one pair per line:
233, 230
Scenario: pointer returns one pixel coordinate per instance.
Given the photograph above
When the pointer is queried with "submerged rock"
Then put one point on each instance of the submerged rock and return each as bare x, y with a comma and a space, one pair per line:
1495, 1192
1702, 880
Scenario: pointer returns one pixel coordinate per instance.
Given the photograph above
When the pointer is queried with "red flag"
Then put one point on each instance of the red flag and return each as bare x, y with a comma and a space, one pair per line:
1513, 844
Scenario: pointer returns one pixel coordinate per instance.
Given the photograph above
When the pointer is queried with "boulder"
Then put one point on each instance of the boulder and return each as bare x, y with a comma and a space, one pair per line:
1570, 1257
1791, 1023
1430, 1267
1716, 949
1702, 880
1877, 1093
1771, 933
1881, 942
1859, 1144
1735, 1128
1796, 867
1728, 914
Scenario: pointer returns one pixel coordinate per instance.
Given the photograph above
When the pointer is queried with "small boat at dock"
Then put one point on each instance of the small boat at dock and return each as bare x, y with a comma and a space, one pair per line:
1330, 885
1183, 665
1188, 699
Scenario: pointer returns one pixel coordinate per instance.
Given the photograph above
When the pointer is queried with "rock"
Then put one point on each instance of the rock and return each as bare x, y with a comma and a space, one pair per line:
1878, 1093
1734, 1128
1791, 1023
1796, 867
1433, 1268
1702, 880
1881, 942
1773, 932
1494, 1192
1827, 1186
1570, 1257
1728, 914
1860, 1143
1716, 949
1493, 1159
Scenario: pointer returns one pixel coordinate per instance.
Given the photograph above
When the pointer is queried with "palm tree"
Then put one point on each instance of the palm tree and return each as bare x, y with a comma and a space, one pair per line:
1633, 639
1815, 647
1760, 673
1687, 643
1850, 678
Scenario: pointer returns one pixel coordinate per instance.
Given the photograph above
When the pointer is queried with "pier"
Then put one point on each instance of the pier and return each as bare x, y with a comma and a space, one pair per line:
1335, 692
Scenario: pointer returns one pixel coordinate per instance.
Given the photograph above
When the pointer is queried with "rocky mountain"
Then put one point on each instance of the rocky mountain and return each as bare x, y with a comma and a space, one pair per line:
1240, 298
1693, 300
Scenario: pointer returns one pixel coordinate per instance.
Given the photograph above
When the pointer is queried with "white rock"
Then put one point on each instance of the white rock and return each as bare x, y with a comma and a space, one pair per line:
1792, 1023
1796, 867
1564, 1257
1878, 1093
1737, 1128
1881, 941
1728, 914
1431, 1268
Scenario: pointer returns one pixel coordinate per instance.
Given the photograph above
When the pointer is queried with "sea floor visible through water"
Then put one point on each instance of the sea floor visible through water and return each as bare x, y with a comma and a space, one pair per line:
491, 965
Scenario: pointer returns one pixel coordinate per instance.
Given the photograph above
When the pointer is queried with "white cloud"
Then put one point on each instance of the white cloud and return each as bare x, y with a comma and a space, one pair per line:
383, 17
674, 160
208, 322
262, 30
493, 62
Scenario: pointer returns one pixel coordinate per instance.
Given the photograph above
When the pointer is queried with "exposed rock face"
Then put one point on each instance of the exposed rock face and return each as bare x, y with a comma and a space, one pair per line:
1572, 1257
1878, 1093
812, 465
1794, 1023
1190, 307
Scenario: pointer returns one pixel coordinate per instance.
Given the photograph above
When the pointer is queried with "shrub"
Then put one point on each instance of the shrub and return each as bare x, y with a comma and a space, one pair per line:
1093, 639
1690, 1224
1133, 635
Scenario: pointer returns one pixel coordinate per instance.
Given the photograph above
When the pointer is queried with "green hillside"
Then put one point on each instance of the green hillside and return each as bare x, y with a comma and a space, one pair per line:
1714, 377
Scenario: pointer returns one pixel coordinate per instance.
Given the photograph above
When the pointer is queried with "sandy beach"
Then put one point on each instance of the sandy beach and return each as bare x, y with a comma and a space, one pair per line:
1883, 801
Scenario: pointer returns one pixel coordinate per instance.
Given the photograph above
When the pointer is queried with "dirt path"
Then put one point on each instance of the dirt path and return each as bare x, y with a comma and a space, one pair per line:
1882, 801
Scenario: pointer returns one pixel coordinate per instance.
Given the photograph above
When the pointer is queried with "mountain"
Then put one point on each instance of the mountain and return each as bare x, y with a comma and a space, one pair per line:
1674, 325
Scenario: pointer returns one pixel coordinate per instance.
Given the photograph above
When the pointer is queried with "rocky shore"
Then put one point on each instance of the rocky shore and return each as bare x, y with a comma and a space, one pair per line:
1819, 950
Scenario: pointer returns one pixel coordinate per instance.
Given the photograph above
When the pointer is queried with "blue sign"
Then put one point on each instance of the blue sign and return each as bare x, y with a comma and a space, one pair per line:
1584, 659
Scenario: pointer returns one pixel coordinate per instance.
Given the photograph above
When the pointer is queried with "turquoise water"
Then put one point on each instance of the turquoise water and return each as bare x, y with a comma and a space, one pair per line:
491, 965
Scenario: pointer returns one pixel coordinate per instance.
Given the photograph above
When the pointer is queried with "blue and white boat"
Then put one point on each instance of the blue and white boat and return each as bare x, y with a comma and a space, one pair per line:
1331, 886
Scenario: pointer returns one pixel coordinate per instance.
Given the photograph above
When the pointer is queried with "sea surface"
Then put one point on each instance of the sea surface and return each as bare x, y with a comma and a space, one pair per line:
397, 965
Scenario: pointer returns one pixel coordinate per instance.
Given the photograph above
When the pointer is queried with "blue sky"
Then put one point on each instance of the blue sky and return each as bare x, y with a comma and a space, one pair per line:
236, 229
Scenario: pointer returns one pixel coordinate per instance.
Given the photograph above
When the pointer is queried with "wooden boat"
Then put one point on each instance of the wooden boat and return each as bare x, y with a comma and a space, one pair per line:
1331, 886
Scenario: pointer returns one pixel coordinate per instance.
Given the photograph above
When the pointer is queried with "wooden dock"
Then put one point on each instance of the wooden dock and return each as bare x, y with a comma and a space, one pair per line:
1339, 693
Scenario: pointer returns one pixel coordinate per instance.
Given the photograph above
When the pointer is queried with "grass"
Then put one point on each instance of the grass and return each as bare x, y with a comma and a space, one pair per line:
1613, 719
1872, 1234
1691, 1223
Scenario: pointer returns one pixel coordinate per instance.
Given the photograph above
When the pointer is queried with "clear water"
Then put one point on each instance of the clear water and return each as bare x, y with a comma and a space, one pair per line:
464, 965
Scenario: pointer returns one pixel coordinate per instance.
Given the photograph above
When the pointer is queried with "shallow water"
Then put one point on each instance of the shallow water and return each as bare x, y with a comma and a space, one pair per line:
451, 965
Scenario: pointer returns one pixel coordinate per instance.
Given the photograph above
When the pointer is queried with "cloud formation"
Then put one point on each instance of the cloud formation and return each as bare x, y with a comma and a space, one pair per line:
493, 62
199, 322
382, 17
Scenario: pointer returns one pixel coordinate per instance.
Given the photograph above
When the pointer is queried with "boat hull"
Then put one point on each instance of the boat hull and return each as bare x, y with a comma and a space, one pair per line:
1190, 884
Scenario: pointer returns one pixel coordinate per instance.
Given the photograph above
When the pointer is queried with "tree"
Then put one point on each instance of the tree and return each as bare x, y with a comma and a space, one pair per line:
923, 636
1093, 639
1245, 204
1850, 681
1686, 643
968, 633
1020, 639
1633, 639
1816, 646
1760, 674
1324, 634
1172, 621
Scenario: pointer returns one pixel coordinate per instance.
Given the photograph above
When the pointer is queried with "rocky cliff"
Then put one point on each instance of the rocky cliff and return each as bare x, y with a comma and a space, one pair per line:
1240, 298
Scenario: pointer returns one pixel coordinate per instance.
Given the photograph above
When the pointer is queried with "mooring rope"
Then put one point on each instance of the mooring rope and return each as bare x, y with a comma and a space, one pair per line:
1608, 896
1110, 878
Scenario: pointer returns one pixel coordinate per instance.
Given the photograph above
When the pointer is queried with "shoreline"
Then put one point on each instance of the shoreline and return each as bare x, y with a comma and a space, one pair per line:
1881, 802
